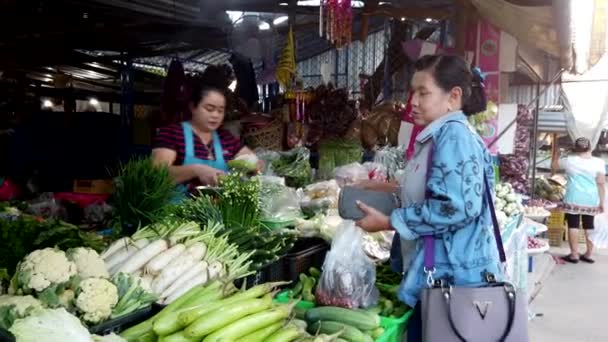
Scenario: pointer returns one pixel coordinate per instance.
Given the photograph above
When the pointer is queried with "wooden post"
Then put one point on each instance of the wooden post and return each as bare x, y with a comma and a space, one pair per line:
292, 7
555, 154
463, 9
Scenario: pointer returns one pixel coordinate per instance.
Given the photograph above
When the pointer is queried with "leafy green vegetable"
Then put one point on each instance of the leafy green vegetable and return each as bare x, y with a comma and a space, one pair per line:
294, 166
24, 234
50, 326
132, 296
143, 193
200, 209
334, 153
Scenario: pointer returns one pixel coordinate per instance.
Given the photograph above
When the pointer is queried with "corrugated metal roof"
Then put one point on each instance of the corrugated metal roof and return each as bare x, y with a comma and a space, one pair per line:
554, 122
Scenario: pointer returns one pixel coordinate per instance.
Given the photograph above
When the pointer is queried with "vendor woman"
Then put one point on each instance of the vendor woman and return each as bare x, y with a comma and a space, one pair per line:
197, 151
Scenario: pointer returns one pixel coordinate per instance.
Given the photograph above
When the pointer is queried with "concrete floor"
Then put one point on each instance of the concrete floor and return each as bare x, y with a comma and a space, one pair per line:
573, 303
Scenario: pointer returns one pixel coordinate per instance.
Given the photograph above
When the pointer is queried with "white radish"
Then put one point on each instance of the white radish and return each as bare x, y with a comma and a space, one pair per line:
173, 271
198, 268
159, 262
146, 282
197, 250
215, 269
199, 279
139, 259
118, 258
115, 247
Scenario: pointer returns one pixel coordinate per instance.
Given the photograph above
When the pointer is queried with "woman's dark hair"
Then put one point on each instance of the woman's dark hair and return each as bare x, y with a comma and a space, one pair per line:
452, 71
581, 145
200, 91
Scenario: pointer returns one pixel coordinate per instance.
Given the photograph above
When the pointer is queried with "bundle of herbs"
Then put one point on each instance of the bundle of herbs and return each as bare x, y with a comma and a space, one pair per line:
294, 166
144, 192
239, 200
335, 153
200, 208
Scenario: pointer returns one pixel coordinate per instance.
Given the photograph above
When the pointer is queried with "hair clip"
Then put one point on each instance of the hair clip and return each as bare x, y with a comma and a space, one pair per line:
477, 72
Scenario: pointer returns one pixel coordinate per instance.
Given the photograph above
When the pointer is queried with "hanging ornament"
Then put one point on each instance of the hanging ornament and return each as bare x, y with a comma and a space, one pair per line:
335, 16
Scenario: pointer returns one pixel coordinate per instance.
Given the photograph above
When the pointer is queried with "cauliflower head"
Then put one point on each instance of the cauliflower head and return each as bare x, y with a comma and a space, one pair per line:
22, 304
44, 268
88, 263
96, 298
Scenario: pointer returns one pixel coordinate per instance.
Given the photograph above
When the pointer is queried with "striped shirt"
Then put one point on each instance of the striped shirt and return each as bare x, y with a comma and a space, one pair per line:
172, 137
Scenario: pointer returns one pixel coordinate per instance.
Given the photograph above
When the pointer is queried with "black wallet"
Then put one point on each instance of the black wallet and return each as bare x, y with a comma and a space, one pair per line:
385, 202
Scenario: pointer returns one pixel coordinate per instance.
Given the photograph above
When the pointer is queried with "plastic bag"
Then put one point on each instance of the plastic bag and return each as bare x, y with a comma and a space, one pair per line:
349, 276
599, 234
351, 174
279, 203
47, 207
318, 198
376, 171
393, 158
267, 157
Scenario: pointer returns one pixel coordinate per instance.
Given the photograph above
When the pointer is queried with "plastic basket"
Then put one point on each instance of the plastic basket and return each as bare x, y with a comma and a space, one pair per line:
555, 236
557, 219
394, 328
269, 273
120, 324
305, 254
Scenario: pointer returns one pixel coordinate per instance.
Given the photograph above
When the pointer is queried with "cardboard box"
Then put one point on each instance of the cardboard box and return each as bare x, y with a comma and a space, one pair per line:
96, 186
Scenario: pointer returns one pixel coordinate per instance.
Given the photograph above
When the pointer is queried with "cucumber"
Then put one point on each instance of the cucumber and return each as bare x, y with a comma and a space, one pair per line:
348, 332
359, 319
300, 313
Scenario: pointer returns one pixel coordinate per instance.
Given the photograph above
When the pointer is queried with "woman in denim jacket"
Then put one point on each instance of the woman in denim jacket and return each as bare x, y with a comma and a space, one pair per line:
443, 194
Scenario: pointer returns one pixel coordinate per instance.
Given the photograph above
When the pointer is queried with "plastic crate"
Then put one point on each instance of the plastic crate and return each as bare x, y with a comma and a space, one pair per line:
394, 328
120, 324
555, 236
269, 273
557, 219
305, 254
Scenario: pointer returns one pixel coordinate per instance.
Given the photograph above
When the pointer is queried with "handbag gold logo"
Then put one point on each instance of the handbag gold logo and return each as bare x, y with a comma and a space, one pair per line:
482, 308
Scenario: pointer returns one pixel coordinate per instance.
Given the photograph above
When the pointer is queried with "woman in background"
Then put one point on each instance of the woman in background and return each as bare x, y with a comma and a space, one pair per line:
197, 151
585, 194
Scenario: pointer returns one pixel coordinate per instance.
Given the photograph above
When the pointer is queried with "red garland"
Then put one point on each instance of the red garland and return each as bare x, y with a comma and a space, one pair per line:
338, 18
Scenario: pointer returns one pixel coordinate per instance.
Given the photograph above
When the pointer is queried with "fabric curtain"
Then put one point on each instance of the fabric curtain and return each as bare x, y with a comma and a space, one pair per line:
585, 99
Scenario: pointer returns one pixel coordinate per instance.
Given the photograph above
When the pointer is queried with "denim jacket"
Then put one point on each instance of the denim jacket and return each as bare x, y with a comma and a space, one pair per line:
450, 206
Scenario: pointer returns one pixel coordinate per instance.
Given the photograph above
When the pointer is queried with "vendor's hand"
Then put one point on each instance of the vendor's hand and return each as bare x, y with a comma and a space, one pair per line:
208, 175
373, 221
601, 208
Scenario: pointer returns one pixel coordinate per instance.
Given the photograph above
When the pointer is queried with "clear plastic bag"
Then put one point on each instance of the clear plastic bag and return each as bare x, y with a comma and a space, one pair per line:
349, 276
279, 203
599, 234
376, 171
351, 174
